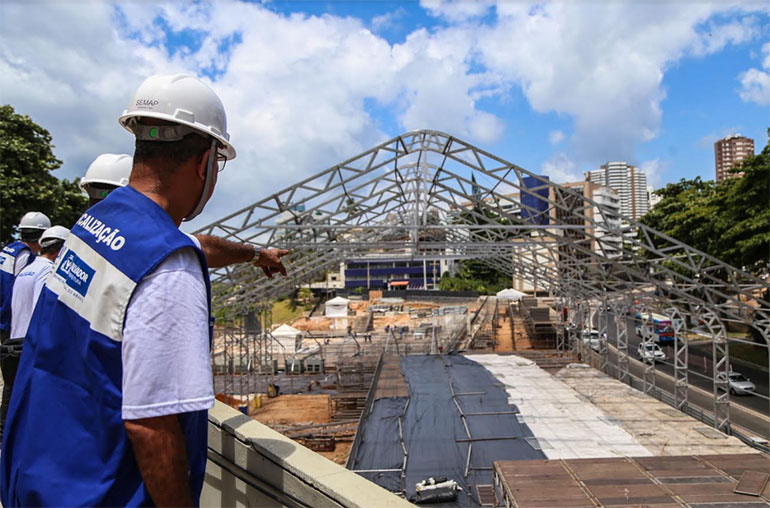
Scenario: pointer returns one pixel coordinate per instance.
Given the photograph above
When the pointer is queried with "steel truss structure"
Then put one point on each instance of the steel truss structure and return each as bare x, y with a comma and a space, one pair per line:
426, 195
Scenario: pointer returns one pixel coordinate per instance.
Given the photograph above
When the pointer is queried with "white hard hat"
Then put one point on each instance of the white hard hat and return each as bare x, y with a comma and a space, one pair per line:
35, 220
184, 100
105, 174
53, 235
108, 169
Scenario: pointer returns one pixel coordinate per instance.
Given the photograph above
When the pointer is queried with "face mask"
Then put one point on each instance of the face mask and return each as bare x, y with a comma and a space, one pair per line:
211, 170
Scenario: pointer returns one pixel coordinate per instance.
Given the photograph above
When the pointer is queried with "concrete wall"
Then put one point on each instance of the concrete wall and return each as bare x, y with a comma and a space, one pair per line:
252, 465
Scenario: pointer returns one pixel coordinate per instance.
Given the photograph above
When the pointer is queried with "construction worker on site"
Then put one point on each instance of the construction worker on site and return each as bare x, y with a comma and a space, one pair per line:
26, 290
110, 171
13, 259
111, 397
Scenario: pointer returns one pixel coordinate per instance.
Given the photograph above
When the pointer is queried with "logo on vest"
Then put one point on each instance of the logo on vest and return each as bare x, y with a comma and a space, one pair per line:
76, 273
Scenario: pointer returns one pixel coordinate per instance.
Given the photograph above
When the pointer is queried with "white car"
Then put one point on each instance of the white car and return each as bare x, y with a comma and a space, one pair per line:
591, 339
651, 351
738, 383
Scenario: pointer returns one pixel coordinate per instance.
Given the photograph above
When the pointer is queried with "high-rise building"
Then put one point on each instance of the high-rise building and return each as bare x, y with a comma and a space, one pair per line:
601, 223
728, 152
629, 182
653, 198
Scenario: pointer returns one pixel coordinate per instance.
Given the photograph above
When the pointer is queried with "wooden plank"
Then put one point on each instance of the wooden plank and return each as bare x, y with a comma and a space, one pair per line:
752, 483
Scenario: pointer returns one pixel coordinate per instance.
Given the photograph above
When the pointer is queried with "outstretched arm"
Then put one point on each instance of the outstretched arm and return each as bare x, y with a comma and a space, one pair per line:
220, 252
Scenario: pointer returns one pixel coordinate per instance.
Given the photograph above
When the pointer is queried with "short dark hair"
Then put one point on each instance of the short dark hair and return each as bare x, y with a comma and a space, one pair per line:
31, 234
174, 152
52, 248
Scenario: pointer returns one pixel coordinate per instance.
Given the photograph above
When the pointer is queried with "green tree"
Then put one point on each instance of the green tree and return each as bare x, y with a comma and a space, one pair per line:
26, 180
474, 275
728, 220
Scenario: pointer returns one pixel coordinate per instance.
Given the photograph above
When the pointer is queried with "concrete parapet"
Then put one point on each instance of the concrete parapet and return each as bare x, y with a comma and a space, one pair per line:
252, 465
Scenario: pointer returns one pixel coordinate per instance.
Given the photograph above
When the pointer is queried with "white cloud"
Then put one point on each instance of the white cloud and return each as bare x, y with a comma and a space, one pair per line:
388, 20
755, 83
655, 169
603, 63
561, 169
457, 10
555, 137
295, 87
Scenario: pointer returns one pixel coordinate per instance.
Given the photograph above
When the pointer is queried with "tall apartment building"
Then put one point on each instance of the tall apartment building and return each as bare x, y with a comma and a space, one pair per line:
730, 151
629, 182
600, 227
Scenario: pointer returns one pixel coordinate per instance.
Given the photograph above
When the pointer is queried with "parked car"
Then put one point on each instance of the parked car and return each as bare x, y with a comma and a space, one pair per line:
591, 339
737, 383
651, 351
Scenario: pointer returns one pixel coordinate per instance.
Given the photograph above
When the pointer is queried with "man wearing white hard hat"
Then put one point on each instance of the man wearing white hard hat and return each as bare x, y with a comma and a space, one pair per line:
13, 259
26, 290
121, 334
110, 171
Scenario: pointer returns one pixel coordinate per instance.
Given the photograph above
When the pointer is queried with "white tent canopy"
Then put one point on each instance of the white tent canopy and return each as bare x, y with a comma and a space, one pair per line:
337, 307
510, 294
286, 331
287, 337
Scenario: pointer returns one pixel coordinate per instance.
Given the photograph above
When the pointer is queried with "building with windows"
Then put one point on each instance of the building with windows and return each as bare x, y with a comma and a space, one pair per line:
372, 272
629, 182
653, 198
600, 223
730, 151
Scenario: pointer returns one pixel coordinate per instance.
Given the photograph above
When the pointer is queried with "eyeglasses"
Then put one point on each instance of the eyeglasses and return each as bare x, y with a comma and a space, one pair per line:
221, 161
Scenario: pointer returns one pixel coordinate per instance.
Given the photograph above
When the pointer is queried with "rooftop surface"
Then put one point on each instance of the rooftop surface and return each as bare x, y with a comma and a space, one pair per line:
697, 481
581, 413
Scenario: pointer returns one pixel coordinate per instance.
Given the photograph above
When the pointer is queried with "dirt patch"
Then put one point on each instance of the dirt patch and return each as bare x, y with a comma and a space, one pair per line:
317, 324
294, 410
340, 453
359, 307
397, 320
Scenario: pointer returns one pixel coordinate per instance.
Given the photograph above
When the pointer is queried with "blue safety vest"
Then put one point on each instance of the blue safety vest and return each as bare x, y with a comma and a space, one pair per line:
65, 443
7, 261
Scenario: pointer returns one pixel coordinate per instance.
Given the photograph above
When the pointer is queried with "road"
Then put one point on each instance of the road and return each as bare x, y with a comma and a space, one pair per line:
749, 411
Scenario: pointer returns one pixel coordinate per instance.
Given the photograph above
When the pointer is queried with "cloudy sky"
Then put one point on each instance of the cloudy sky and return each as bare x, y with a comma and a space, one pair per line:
556, 87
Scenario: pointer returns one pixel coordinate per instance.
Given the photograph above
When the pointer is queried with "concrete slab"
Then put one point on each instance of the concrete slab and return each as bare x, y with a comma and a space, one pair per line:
658, 427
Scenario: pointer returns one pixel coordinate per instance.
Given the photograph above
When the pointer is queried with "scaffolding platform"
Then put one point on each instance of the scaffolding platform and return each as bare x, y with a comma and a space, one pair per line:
688, 480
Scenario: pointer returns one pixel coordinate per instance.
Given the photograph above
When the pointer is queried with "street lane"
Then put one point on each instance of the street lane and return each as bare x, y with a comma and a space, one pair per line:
699, 369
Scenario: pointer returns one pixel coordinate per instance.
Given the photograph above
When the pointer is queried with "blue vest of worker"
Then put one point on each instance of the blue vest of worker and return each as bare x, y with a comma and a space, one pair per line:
65, 443
7, 261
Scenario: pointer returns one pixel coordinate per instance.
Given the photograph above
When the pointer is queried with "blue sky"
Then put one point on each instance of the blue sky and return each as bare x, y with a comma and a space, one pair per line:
555, 87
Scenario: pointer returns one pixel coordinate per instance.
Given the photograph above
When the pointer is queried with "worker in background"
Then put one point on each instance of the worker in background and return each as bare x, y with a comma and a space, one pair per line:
111, 397
14, 258
110, 171
26, 290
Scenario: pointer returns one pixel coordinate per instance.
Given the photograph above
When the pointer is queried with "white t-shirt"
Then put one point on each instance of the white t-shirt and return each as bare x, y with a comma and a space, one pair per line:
21, 261
166, 362
26, 290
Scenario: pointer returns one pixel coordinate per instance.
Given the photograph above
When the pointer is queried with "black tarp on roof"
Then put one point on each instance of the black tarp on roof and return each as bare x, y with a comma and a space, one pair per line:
432, 426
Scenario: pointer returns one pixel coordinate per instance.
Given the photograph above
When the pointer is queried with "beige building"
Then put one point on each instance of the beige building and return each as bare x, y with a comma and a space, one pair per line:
728, 152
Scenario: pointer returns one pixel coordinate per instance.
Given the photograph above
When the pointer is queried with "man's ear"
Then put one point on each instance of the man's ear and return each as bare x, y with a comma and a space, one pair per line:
202, 163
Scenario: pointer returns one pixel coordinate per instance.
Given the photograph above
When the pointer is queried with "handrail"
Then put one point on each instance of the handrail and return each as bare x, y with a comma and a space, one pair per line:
368, 406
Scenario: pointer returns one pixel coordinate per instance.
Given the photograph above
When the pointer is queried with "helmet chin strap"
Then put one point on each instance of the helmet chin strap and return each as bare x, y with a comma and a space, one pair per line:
210, 171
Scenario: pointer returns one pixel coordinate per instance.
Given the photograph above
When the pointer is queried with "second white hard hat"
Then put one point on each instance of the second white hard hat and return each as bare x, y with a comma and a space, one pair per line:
108, 169
53, 234
181, 99
34, 220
